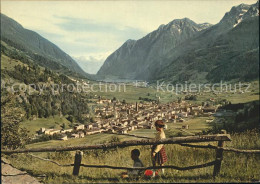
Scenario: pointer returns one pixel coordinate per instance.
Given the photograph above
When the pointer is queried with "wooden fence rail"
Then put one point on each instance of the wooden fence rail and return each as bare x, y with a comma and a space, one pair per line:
220, 138
126, 168
176, 140
222, 148
153, 167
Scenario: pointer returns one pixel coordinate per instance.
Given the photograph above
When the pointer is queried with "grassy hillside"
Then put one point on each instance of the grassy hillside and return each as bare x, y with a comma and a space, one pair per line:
235, 167
52, 122
42, 51
36, 96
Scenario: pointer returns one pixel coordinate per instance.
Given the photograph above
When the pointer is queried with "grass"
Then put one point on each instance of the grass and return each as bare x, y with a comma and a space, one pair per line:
132, 94
235, 167
9, 64
52, 122
87, 140
196, 125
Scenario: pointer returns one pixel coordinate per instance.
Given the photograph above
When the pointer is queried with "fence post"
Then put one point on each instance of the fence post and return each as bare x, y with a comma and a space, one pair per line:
77, 162
219, 157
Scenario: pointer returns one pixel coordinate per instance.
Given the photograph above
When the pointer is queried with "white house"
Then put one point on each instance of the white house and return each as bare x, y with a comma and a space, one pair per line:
67, 130
47, 131
79, 127
123, 131
54, 132
64, 137
89, 126
75, 135
81, 134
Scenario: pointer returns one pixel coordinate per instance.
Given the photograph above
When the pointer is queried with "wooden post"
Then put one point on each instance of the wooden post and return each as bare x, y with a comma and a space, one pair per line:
77, 162
219, 157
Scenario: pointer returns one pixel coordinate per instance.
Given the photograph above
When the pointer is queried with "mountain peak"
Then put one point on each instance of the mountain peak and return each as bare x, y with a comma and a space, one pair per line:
253, 11
129, 42
161, 26
239, 13
235, 14
177, 22
183, 20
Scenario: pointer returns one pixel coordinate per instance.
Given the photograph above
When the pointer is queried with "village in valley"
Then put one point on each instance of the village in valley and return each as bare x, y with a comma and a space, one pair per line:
113, 116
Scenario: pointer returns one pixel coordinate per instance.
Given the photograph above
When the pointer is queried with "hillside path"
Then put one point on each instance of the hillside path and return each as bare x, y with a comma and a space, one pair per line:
11, 175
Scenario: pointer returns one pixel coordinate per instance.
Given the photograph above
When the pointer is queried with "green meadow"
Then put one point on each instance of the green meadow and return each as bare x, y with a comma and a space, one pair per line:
235, 167
52, 122
130, 93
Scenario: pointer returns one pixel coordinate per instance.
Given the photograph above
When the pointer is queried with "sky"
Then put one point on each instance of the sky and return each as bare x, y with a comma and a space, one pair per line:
92, 30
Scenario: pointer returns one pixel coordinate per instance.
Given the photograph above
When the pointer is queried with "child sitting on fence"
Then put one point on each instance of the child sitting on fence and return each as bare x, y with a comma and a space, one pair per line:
135, 153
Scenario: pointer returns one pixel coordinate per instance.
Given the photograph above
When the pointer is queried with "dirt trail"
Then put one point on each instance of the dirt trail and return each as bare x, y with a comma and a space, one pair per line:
11, 175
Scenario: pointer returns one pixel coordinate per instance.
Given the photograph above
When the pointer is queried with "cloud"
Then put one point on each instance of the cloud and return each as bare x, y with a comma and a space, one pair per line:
88, 26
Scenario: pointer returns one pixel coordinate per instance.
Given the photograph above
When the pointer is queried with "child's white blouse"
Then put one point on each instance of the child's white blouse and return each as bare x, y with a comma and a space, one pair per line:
159, 136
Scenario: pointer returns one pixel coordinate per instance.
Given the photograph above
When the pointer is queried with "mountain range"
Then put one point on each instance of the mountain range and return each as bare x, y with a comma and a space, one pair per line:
180, 51
39, 49
183, 50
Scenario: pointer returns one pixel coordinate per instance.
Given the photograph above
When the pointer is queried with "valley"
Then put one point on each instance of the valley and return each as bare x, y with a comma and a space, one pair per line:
198, 78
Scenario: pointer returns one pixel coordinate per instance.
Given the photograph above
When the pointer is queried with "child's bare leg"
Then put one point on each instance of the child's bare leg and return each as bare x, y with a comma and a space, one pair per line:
154, 165
162, 169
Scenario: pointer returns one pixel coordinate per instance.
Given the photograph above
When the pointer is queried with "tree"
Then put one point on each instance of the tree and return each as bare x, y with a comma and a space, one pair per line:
71, 119
13, 136
28, 113
63, 126
179, 99
41, 113
114, 99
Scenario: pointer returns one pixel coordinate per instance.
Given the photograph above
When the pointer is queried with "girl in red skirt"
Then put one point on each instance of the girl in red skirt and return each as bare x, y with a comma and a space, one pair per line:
159, 156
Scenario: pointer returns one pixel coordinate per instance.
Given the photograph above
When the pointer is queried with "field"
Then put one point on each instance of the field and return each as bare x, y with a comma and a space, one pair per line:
235, 167
87, 140
196, 125
132, 93
51, 122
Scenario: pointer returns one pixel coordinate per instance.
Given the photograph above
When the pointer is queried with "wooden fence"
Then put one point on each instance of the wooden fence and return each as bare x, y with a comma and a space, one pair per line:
183, 141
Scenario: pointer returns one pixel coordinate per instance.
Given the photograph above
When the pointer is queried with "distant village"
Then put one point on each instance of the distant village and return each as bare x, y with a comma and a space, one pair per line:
118, 117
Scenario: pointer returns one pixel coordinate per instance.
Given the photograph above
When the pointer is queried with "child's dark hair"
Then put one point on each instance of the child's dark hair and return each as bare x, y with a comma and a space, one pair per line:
159, 123
135, 152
